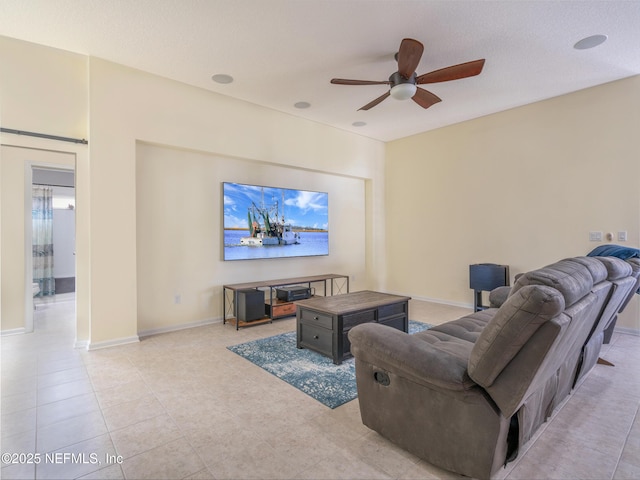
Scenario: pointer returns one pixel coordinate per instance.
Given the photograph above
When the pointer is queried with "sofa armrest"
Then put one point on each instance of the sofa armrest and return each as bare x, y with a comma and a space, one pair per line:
498, 296
409, 356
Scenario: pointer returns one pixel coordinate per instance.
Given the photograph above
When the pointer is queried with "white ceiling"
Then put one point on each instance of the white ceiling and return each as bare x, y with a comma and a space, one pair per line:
285, 51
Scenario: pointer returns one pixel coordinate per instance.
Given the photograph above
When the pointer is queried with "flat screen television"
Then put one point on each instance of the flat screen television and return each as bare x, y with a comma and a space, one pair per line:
270, 222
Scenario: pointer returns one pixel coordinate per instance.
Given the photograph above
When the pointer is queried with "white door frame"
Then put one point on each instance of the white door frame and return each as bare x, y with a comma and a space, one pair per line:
38, 150
80, 164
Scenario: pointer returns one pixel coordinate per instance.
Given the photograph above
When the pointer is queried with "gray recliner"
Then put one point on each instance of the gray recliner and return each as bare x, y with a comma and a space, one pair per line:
635, 266
623, 282
625, 279
466, 394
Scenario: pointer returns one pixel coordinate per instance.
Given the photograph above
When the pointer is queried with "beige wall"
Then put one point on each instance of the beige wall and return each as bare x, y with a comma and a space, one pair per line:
179, 236
43, 90
130, 108
12, 251
522, 187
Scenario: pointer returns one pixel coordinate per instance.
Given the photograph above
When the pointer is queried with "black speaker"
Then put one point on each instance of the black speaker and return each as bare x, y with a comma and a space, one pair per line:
486, 277
249, 305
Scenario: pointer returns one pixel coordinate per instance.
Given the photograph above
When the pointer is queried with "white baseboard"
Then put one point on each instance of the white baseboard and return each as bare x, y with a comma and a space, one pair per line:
442, 302
174, 328
13, 331
112, 343
81, 344
627, 331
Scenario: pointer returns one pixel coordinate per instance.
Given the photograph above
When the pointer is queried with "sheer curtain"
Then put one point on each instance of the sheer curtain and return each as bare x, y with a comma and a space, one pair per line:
42, 219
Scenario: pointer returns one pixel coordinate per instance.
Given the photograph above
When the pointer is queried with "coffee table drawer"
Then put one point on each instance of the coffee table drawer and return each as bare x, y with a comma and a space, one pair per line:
314, 318
399, 322
353, 319
316, 338
390, 310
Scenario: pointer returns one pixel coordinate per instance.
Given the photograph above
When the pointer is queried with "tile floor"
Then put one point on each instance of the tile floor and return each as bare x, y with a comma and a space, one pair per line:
180, 405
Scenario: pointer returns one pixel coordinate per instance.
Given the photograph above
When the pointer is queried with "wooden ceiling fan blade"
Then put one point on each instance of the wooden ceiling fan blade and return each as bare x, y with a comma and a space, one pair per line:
345, 81
425, 98
375, 102
409, 57
454, 72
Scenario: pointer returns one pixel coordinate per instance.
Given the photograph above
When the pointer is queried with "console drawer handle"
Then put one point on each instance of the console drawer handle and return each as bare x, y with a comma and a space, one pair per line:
316, 337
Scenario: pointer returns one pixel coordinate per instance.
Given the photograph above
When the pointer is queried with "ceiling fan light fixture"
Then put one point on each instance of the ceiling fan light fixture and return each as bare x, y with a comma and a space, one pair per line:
403, 91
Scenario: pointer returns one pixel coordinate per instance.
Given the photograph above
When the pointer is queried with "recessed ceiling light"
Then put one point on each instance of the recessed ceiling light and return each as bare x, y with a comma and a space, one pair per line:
590, 42
359, 124
302, 105
222, 78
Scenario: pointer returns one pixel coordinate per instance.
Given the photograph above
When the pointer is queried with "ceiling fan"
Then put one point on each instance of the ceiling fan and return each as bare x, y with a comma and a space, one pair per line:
404, 83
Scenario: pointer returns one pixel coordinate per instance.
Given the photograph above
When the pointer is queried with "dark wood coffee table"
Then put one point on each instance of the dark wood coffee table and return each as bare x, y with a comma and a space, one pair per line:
322, 323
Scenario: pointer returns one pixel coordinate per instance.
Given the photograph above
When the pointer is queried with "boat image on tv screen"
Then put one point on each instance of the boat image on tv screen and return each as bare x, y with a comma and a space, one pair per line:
269, 222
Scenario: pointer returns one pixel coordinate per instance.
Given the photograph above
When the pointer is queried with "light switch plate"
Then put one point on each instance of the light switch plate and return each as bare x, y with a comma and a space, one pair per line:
622, 236
595, 236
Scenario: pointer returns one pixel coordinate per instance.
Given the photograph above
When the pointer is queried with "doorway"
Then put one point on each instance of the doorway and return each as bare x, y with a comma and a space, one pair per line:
53, 264
53, 235
17, 293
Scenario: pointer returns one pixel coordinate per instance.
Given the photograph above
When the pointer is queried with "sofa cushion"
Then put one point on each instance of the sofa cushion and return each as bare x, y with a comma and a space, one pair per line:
616, 268
635, 267
512, 325
596, 268
468, 327
573, 279
498, 296
453, 349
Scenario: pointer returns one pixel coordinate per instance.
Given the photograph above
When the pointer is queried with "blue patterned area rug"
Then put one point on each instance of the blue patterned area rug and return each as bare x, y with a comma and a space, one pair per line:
308, 371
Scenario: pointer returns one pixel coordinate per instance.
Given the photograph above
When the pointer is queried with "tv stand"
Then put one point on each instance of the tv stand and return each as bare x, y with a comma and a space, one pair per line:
333, 284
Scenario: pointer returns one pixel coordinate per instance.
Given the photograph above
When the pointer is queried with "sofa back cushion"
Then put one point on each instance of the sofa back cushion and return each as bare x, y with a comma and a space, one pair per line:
616, 269
572, 277
620, 274
635, 273
511, 327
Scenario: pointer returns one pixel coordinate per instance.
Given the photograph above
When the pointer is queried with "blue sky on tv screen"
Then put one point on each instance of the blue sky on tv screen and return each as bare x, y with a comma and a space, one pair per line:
301, 208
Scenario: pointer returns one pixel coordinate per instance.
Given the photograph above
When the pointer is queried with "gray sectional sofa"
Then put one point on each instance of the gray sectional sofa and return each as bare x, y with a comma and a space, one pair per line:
465, 395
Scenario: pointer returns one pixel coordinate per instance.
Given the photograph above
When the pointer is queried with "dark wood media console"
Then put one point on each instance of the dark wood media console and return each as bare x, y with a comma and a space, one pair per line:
333, 284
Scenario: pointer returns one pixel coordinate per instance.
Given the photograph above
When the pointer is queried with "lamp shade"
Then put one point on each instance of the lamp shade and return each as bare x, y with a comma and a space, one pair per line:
403, 91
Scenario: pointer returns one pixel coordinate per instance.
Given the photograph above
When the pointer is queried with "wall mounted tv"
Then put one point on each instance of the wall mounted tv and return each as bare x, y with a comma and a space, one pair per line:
269, 222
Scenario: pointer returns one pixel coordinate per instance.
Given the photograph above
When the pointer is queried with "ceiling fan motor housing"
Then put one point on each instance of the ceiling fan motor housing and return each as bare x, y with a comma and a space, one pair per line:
397, 79
402, 88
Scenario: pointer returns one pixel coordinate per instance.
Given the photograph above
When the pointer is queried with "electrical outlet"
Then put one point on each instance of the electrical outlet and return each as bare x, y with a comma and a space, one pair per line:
595, 236
622, 236
177, 299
